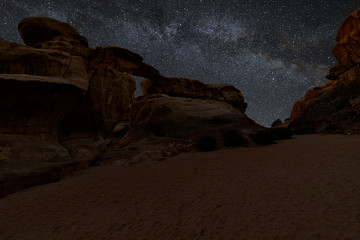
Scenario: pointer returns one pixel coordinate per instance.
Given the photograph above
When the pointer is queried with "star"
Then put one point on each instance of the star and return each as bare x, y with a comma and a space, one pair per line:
273, 51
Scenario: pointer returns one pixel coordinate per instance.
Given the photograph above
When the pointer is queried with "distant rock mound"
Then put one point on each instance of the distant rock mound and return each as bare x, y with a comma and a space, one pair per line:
277, 123
335, 106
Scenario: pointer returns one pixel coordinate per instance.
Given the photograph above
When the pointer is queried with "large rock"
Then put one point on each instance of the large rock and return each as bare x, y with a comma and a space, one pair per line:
100, 82
184, 87
31, 112
60, 92
35, 104
110, 94
63, 102
118, 58
334, 107
19, 59
177, 117
59, 99
37, 30
347, 50
231, 95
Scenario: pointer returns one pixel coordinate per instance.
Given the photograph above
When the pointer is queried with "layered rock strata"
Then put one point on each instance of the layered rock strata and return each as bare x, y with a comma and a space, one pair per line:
62, 103
335, 106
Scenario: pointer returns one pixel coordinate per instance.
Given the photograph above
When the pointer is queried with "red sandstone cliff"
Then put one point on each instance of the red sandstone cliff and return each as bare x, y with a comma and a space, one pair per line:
335, 106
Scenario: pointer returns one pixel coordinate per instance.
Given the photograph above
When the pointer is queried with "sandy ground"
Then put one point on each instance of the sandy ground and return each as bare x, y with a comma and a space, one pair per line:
305, 188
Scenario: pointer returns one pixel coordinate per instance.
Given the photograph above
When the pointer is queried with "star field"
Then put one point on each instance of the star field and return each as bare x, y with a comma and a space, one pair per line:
272, 50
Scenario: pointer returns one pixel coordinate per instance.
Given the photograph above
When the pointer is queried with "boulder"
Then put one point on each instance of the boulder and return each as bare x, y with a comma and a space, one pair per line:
176, 117
37, 30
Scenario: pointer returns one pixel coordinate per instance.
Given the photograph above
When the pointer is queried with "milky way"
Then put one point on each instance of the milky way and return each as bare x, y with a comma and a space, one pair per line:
273, 51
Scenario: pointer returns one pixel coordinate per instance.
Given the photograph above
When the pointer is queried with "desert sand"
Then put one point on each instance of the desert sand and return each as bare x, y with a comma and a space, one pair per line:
303, 188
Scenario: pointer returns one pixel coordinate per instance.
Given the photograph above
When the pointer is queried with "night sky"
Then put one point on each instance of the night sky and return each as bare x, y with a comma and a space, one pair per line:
272, 50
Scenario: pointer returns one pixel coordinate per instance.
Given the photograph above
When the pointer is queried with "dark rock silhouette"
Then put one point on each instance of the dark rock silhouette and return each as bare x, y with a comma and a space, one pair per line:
35, 31
277, 123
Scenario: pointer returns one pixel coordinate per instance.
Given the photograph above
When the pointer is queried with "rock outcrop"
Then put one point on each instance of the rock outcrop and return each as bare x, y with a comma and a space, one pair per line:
59, 99
347, 50
301, 105
183, 87
334, 107
62, 103
181, 107
166, 116
42, 32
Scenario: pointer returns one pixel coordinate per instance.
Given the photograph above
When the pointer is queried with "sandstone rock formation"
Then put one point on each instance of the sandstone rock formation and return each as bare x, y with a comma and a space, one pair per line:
347, 50
334, 107
301, 105
182, 87
166, 116
63, 102
179, 107
47, 33
39, 30
59, 99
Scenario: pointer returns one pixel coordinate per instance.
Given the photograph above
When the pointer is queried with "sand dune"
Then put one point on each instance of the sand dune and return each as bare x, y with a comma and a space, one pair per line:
304, 188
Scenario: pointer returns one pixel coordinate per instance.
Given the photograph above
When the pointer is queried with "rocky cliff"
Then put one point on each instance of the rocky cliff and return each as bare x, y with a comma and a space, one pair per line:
335, 106
61, 101
57, 89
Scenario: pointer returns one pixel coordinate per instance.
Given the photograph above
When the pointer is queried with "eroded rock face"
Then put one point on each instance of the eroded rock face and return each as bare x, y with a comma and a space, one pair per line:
183, 87
347, 50
64, 90
35, 104
334, 107
231, 95
37, 30
110, 93
167, 116
19, 59
57, 90
301, 105
62, 101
